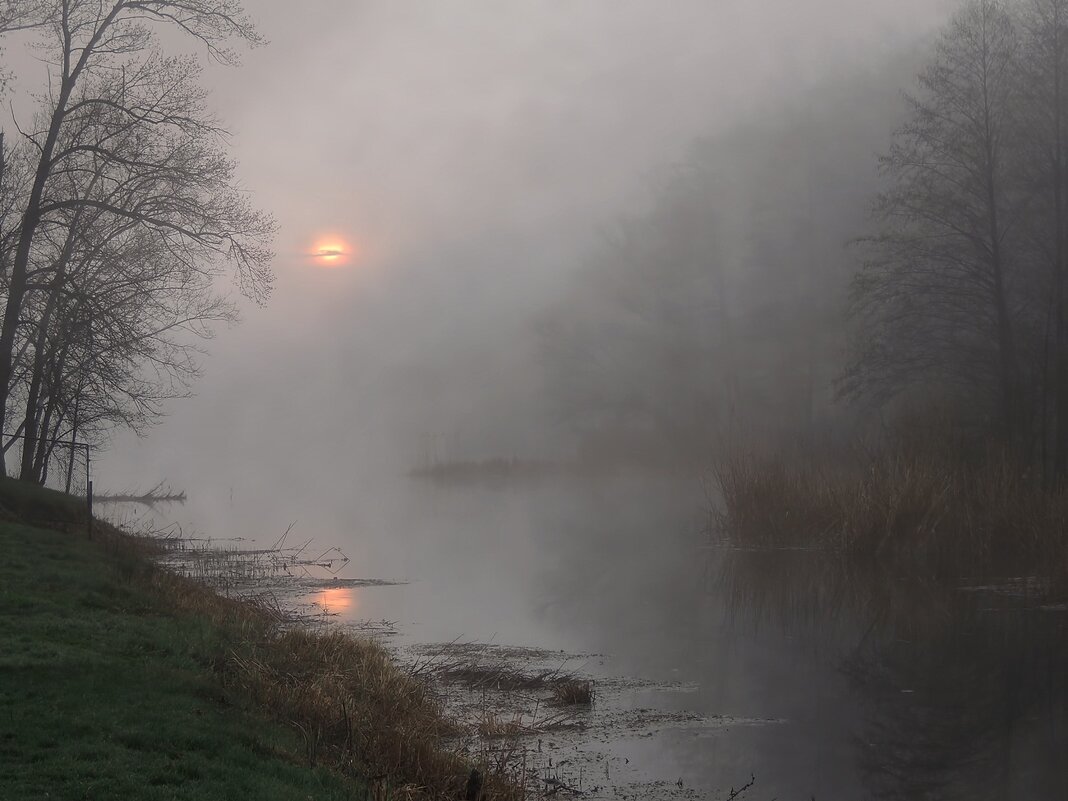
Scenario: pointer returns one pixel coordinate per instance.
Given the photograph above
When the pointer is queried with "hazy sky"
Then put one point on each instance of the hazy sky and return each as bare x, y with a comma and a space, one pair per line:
469, 150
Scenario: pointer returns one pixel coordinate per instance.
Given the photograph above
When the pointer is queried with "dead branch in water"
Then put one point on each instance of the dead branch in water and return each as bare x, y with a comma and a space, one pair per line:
157, 495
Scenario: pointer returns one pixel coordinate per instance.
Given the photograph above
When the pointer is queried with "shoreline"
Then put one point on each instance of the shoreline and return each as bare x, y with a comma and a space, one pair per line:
124, 662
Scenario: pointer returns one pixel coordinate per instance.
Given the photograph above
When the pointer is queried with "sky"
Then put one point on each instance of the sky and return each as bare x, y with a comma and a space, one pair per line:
470, 153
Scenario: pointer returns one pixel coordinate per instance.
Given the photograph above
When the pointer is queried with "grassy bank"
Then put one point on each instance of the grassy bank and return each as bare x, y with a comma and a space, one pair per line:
914, 510
119, 680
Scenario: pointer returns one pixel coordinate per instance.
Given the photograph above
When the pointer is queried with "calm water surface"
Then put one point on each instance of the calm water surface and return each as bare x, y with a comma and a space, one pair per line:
819, 681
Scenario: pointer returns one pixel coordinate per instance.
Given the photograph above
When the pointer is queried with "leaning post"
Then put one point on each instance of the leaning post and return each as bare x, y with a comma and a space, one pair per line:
88, 493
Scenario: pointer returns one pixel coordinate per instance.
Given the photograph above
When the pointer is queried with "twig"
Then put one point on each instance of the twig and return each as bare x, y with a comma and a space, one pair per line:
735, 793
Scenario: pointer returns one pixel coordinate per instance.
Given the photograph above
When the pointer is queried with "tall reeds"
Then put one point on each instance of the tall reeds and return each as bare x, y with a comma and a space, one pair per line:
917, 510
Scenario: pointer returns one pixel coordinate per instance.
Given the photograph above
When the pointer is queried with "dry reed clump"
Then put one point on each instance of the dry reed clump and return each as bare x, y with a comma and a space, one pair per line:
564, 688
355, 708
496, 726
357, 711
768, 503
920, 511
572, 692
493, 726
503, 676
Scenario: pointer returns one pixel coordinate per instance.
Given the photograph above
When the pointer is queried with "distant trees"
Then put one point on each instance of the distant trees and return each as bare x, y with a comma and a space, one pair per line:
719, 313
964, 288
733, 303
629, 357
719, 310
1044, 98
937, 290
122, 218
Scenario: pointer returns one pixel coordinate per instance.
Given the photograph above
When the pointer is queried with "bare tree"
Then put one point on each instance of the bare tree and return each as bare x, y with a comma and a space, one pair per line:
131, 184
19, 15
937, 298
1044, 112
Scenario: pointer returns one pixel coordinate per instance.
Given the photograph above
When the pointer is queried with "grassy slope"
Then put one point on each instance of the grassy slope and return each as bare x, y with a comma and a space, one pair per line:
106, 694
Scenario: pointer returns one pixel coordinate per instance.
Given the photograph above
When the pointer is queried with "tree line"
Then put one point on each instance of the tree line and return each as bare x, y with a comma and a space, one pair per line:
120, 220
786, 281
719, 311
963, 290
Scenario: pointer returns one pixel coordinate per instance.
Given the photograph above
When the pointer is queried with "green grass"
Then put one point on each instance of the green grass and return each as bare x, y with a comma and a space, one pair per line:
30, 503
106, 692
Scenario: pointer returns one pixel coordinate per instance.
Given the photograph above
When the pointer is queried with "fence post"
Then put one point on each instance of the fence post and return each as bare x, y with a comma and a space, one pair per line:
88, 493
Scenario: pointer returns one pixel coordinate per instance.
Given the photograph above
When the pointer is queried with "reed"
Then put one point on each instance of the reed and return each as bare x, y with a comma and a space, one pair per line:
919, 511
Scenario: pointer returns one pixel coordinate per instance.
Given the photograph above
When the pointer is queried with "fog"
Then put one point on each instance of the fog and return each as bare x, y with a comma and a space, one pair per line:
595, 248
473, 155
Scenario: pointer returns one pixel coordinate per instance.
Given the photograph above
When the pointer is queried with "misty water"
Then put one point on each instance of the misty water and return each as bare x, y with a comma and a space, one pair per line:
717, 666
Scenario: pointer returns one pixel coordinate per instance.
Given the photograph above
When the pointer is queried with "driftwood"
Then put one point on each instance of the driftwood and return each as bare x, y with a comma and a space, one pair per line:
158, 494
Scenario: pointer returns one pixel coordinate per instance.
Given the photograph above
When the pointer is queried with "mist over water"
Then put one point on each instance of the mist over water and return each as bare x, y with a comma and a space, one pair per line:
478, 156
779, 665
475, 158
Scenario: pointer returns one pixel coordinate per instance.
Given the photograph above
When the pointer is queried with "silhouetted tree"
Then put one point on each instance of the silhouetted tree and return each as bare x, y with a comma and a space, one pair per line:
1044, 112
130, 215
938, 298
17, 15
719, 310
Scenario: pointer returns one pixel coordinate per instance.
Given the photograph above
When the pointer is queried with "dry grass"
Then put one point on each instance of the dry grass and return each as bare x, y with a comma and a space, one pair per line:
355, 708
504, 676
512, 725
494, 726
358, 711
572, 692
564, 689
918, 511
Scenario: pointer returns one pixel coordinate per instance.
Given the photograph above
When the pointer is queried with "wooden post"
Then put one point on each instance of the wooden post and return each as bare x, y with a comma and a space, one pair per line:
88, 494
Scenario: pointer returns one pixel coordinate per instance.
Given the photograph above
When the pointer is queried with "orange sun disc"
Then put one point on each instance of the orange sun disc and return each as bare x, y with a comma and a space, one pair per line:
330, 253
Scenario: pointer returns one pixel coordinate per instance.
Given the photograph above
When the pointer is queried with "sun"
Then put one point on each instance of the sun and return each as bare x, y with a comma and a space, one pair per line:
330, 251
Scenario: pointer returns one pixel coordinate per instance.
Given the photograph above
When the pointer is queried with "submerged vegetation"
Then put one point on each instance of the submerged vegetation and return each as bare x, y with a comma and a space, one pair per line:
563, 688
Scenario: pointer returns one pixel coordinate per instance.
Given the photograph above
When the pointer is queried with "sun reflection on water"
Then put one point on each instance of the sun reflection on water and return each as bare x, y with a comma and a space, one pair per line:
338, 600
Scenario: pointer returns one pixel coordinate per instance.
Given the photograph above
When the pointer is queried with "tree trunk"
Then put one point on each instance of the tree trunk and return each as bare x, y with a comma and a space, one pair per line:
31, 218
17, 286
73, 440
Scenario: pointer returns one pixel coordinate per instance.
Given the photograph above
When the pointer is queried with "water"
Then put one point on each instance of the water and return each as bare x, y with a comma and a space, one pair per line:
812, 678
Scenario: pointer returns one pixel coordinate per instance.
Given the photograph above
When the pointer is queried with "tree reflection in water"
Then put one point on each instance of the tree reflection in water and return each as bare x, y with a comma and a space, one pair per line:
962, 688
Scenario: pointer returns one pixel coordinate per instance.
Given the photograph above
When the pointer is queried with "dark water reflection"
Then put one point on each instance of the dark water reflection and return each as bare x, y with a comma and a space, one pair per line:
882, 688
960, 692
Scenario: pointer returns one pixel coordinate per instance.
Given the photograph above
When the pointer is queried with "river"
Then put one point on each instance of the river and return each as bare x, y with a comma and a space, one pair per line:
790, 672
